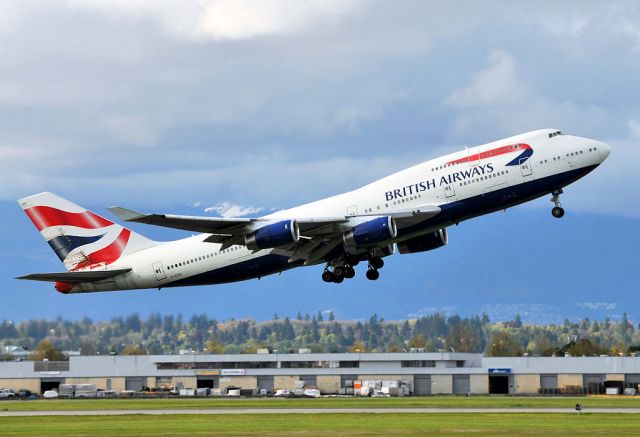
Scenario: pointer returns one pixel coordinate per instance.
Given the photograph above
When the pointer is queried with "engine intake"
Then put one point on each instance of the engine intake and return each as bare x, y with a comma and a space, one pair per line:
371, 232
423, 243
273, 235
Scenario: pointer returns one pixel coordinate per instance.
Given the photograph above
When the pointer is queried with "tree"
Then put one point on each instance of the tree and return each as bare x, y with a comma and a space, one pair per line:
331, 316
358, 346
46, 350
503, 344
585, 347
418, 342
215, 347
517, 323
133, 349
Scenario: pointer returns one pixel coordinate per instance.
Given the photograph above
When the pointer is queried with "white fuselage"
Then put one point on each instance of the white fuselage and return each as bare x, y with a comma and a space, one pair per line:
464, 184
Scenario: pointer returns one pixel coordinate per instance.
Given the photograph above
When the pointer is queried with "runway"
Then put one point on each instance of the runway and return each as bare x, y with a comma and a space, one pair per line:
223, 411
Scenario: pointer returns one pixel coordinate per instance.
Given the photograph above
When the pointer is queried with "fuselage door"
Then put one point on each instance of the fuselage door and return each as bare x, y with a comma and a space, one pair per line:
158, 270
525, 167
352, 210
449, 191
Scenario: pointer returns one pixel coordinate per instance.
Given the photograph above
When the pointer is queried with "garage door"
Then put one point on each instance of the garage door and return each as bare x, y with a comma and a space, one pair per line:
265, 383
309, 380
549, 381
461, 384
134, 384
422, 385
593, 383
632, 380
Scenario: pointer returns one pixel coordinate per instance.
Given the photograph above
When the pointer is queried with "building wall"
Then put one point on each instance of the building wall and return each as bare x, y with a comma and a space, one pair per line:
527, 383
479, 384
614, 377
441, 384
328, 384
569, 379
285, 382
117, 384
187, 381
101, 383
408, 378
239, 381
32, 384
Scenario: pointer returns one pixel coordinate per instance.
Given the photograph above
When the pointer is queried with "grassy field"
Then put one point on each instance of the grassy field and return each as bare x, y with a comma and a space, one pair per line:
410, 402
327, 424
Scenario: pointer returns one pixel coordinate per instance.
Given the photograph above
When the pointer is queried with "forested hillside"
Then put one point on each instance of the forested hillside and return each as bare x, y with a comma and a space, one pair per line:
169, 334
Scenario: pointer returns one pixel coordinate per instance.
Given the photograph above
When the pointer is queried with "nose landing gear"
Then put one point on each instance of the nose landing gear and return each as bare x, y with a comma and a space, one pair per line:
557, 210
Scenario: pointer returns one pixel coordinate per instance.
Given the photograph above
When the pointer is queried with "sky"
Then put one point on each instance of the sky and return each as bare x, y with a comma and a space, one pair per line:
241, 107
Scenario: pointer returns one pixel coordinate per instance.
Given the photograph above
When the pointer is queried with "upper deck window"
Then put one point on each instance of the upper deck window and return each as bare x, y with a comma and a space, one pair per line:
556, 133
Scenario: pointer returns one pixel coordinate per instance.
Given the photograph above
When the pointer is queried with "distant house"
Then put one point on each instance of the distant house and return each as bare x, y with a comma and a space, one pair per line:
16, 351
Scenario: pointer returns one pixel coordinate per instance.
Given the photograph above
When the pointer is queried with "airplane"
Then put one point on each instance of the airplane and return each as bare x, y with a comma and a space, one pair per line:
409, 211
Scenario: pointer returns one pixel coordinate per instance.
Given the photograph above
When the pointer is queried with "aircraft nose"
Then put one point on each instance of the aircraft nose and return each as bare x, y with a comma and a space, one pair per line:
604, 149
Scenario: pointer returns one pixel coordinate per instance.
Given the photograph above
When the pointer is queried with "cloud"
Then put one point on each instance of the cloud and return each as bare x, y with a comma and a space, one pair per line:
227, 209
243, 100
226, 19
598, 305
497, 85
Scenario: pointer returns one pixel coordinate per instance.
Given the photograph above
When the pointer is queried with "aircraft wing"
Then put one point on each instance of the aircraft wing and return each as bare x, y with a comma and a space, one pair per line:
75, 277
319, 235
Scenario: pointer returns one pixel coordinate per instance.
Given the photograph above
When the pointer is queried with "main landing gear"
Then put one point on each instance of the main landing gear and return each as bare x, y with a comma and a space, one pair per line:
557, 210
345, 270
375, 263
339, 273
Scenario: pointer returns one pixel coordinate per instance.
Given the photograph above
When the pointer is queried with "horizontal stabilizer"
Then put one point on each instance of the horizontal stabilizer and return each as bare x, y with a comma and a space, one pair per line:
75, 277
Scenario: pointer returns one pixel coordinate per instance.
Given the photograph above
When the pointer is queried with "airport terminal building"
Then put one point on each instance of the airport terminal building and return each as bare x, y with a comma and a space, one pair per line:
418, 373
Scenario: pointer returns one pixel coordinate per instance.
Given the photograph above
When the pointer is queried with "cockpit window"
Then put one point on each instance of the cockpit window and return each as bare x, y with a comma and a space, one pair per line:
553, 134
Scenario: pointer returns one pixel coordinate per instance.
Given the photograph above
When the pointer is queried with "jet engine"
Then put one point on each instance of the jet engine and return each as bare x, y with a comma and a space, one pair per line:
371, 232
273, 235
423, 243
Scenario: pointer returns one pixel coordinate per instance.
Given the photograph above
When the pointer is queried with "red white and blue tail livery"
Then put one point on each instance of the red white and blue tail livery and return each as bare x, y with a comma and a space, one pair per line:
408, 211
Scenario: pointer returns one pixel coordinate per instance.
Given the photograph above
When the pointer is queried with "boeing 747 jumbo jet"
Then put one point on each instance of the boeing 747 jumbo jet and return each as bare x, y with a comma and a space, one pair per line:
410, 210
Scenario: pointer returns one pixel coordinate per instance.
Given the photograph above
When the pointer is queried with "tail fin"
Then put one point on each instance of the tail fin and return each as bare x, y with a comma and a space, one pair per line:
80, 237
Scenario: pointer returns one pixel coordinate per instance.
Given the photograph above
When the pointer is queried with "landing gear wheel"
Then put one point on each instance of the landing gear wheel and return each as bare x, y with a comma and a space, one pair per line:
352, 260
376, 262
327, 276
349, 272
339, 271
338, 279
373, 274
557, 212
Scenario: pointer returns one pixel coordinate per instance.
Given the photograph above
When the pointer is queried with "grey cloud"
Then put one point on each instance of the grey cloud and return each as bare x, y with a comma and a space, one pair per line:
132, 97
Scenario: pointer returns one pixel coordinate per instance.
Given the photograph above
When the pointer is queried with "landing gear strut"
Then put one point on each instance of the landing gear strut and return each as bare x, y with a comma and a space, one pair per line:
557, 210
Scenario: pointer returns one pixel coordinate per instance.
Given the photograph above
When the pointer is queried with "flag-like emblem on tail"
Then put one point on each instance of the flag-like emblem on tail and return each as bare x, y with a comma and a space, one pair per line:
80, 238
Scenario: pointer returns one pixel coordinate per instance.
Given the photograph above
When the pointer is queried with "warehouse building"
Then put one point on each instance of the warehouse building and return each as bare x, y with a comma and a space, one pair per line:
422, 373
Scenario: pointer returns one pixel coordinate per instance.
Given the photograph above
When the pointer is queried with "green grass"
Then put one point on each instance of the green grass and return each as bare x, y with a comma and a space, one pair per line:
410, 402
326, 424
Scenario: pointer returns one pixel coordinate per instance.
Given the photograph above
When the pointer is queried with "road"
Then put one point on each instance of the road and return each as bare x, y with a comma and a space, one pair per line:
219, 411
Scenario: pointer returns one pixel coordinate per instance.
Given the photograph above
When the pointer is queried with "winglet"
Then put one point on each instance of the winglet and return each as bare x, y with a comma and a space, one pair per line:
125, 214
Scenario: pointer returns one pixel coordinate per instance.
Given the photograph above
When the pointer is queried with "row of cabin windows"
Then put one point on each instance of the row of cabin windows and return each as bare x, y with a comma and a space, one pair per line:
484, 178
579, 152
395, 202
202, 258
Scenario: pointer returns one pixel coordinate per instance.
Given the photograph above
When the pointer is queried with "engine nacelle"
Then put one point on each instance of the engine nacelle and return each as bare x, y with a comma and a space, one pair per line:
273, 235
423, 243
371, 232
